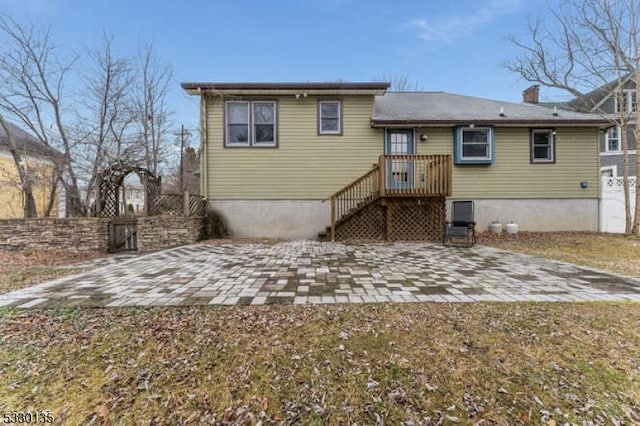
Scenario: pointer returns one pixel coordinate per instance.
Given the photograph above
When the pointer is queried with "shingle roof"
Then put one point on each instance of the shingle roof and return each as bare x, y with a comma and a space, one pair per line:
589, 101
27, 143
447, 108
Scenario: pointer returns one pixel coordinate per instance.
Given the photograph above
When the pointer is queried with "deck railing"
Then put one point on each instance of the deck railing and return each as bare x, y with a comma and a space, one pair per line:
415, 175
394, 176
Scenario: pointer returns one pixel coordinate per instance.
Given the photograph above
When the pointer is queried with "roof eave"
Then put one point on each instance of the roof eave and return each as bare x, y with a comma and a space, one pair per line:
377, 122
371, 89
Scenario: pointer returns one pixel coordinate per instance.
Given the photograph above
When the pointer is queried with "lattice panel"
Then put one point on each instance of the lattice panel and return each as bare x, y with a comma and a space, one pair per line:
367, 224
196, 205
110, 181
166, 204
617, 183
108, 199
406, 219
416, 219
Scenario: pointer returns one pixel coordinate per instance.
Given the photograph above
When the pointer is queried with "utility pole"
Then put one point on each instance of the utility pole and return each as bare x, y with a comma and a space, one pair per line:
182, 134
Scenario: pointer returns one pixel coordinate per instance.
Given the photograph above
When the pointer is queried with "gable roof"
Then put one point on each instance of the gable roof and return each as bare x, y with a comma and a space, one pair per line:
591, 101
335, 88
27, 143
441, 108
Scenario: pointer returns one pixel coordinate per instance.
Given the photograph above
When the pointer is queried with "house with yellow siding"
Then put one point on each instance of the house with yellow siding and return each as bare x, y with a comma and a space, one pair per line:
290, 160
40, 163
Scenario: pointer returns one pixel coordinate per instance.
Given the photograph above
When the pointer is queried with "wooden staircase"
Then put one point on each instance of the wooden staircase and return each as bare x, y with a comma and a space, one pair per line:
396, 180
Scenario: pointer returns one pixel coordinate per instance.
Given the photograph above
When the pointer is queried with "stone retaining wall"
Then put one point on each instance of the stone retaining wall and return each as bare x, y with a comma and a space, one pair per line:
91, 234
57, 234
159, 232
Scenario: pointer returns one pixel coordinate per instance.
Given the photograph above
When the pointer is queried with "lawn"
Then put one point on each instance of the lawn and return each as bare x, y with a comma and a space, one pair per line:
610, 252
480, 363
19, 269
502, 363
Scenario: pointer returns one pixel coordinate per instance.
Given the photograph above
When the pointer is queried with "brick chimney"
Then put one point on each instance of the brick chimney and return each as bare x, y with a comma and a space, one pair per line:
531, 95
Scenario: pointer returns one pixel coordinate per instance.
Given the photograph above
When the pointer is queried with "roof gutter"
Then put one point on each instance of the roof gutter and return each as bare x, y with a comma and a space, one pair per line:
498, 123
370, 89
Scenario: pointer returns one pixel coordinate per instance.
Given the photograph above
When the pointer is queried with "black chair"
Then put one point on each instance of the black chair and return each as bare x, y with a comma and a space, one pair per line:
462, 225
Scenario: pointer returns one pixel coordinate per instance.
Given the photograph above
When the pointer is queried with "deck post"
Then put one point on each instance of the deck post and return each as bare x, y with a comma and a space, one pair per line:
381, 180
185, 204
333, 218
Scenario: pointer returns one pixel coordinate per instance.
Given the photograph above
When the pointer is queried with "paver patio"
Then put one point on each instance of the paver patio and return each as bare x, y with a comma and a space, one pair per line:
316, 273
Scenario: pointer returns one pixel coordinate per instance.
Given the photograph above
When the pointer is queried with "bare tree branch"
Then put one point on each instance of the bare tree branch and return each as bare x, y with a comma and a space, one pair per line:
590, 46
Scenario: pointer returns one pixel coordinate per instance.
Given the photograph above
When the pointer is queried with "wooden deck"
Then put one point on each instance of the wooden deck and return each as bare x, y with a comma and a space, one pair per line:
406, 176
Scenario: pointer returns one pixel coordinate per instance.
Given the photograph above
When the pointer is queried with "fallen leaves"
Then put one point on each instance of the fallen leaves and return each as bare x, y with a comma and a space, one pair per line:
327, 364
612, 252
19, 269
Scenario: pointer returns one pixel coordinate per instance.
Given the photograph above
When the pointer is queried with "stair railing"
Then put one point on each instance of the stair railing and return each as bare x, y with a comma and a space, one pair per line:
353, 196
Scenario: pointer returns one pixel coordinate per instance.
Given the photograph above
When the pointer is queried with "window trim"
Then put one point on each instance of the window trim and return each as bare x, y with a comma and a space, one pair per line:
339, 132
627, 99
612, 168
606, 141
250, 124
458, 145
552, 142
254, 143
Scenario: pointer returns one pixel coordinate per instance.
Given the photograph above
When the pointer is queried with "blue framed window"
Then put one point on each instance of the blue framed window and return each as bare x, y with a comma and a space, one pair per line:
474, 145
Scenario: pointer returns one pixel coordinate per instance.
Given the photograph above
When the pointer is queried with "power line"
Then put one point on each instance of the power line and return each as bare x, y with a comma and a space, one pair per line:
182, 134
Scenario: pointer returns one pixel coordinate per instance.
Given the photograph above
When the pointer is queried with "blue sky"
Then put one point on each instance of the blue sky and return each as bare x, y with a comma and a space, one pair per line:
455, 46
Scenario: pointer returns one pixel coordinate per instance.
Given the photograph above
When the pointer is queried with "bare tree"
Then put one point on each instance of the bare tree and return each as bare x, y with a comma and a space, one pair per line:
152, 114
32, 80
120, 116
106, 132
590, 45
401, 83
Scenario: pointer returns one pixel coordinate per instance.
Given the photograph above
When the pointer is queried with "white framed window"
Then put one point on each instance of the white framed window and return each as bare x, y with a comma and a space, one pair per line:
329, 117
251, 124
264, 123
474, 145
612, 140
543, 146
237, 128
628, 99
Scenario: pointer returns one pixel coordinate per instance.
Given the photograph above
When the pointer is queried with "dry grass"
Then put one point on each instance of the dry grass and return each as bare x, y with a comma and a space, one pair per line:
525, 363
611, 252
427, 363
19, 269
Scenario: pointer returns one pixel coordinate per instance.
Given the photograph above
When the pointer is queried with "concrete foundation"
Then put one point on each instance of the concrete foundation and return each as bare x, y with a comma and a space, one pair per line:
303, 219
539, 215
290, 219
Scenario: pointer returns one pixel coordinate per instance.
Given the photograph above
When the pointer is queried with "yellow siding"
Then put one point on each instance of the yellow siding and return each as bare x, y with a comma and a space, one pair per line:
305, 165
512, 175
308, 166
11, 202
